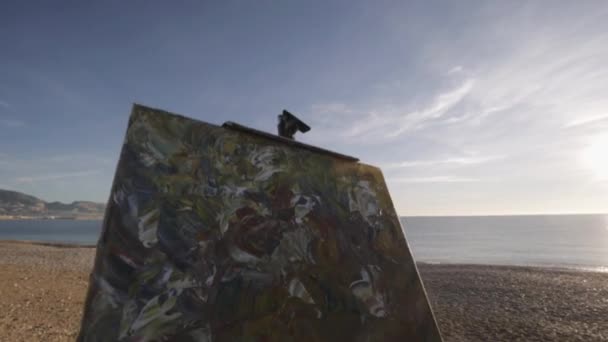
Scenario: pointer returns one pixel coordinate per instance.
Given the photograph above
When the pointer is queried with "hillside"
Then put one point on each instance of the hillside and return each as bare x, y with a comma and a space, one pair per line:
15, 204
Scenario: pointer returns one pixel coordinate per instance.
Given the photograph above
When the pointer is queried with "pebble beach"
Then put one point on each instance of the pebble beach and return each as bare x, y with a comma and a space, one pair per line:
42, 291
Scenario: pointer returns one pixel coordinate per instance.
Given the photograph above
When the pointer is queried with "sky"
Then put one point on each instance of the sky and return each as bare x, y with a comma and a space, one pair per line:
468, 107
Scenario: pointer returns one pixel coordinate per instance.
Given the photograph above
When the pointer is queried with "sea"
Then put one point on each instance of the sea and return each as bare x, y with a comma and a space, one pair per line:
560, 241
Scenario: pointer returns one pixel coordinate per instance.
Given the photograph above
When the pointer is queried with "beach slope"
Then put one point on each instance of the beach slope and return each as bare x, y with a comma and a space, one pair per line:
42, 291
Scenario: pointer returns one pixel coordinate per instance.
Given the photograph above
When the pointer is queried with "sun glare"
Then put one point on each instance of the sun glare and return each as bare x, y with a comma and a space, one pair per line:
595, 156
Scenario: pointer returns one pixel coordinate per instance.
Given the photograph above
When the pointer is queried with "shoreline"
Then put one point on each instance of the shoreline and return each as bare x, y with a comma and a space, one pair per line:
57, 244
557, 268
567, 268
59, 218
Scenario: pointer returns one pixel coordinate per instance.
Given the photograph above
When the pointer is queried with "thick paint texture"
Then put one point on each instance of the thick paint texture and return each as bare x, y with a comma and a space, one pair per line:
212, 234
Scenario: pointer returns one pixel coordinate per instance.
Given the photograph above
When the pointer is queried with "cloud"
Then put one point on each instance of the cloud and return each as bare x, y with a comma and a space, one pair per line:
57, 176
331, 109
337, 120
456, 69
10, 123
440, 105
82, 157
586, 120
525, 99
53, 84
455, 161
53, 162
388, 85
7, 121
434, 179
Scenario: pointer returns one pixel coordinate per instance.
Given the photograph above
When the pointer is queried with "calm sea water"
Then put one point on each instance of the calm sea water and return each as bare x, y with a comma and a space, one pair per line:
574, 241
72, 231
577, 241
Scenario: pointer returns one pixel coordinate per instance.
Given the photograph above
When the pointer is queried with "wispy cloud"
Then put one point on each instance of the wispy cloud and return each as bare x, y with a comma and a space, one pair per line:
331, 109
11, 123
385, 123
434, 179
53, 162
506, 79
52, 84
440, 105
455, 161
88, 158
587, 120
455, 69
4, 104
57, 176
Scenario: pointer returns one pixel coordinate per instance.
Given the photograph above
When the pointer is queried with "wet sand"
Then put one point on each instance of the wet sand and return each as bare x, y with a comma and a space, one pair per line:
42, 290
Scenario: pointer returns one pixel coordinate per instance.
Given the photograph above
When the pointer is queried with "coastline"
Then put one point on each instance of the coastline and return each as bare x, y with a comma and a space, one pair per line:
49, 243
43, 286
46, 218
531, 267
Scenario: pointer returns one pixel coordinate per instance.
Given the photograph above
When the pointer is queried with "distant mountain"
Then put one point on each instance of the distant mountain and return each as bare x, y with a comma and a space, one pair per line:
15, 204
79, 206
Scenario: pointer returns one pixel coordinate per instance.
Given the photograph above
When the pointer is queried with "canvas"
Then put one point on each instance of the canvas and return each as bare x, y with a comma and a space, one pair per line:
217, 234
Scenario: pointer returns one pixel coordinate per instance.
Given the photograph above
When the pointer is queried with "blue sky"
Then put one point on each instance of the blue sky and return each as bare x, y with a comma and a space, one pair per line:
469, 107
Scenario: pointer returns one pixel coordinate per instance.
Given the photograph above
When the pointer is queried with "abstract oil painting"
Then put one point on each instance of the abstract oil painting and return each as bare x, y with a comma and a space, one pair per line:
215, 234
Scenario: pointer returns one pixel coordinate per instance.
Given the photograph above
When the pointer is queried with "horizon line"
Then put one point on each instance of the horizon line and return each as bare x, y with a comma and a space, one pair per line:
514, 214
